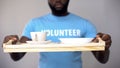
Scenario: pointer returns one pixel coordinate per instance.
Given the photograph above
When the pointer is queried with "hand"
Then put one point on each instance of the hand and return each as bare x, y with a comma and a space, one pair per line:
106, 38
14, 39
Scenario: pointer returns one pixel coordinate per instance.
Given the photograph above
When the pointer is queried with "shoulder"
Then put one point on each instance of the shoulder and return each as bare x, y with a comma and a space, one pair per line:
83, 21
80, 19
40, 17
37, 20
74, 16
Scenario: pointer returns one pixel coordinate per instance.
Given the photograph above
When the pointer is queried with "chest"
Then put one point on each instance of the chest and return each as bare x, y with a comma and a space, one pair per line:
61, 29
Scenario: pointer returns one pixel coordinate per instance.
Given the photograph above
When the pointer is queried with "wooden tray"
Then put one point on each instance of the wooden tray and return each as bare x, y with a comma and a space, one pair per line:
53, 47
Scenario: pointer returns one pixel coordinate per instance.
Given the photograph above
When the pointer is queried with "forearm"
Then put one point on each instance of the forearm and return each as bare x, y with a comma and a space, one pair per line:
102, 56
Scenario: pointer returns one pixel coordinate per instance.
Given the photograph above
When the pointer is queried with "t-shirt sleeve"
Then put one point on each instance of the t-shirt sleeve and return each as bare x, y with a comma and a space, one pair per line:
91, 30
28, 28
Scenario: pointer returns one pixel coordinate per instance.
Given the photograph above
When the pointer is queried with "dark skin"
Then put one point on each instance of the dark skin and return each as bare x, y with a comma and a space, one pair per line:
59, 8
103, 56
23, 39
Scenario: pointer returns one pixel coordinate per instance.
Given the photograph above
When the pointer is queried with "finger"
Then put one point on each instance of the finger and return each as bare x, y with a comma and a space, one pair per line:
94, 40
106, 37
11, 37
100, 34
6, 39
108, 42
14, 36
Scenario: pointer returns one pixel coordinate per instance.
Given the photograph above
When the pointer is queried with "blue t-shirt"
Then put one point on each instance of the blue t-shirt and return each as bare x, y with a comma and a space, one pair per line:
70, 26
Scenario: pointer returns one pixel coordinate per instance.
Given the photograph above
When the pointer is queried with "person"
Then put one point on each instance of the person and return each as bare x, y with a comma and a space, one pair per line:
62, 24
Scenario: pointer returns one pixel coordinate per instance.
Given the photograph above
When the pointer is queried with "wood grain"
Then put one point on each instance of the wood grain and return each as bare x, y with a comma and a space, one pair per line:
54, 47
